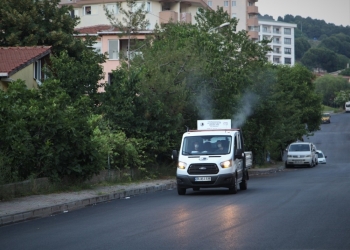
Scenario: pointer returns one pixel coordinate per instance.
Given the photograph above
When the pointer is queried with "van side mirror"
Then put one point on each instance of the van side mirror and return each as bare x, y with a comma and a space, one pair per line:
239, 154
174, 155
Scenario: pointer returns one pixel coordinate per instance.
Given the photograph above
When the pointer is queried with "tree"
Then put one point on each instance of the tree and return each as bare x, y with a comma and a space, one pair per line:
45, 134
133, 19
342, 97
286, 108
185, 74
301, 46
78, 77
339, 43
327, 86
345, 72
35, 23
320, 58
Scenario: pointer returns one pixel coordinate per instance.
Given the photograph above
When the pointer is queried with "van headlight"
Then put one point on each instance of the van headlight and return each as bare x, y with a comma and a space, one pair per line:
307, 155
226, 164
181, 165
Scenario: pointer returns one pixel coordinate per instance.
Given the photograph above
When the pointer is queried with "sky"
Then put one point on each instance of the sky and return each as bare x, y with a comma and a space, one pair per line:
331, 11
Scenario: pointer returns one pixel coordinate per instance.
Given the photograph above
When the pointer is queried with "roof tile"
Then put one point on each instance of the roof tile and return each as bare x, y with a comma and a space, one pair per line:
94, 29
12, 58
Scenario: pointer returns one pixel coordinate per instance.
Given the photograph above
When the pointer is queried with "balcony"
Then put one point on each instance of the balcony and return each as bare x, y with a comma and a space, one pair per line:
252, 10
253, 34
185, 17
168, 16
252, 21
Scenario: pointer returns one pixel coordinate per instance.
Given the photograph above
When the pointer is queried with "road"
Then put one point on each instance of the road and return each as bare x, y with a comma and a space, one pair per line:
299, 208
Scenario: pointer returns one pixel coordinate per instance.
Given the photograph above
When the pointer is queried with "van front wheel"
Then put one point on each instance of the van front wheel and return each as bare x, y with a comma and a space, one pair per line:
233, 189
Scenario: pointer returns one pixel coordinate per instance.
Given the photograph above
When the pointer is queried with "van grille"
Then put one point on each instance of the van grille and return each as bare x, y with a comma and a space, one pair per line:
199, 169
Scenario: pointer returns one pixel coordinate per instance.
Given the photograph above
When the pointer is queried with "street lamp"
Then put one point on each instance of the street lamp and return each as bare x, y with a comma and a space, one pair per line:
219, 27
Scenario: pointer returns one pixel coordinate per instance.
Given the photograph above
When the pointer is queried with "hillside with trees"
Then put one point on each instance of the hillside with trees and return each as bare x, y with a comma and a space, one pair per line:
320, 45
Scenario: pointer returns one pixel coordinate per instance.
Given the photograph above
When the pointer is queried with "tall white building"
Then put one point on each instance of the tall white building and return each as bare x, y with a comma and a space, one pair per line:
282, 40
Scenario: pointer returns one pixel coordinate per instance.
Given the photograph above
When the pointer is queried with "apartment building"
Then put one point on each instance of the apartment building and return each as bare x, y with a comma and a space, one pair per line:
282, 40
91, 12
244, 10
93, 21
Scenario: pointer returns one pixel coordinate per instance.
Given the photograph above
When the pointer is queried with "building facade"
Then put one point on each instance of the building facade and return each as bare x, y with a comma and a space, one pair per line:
91, 12
94, 22
282, 40
245, 11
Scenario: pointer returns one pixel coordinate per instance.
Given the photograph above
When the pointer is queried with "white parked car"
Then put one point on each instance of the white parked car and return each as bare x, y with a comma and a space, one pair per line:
301, 153
321, 157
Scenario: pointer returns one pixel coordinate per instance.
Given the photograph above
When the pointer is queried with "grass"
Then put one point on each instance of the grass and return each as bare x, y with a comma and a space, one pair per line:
162, 173
272, 164
332, 109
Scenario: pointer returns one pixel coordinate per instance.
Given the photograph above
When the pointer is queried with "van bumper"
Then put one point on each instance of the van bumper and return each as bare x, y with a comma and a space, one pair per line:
189, 181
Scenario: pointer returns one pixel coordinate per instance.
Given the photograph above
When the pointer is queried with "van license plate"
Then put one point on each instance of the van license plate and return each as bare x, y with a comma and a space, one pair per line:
202, 178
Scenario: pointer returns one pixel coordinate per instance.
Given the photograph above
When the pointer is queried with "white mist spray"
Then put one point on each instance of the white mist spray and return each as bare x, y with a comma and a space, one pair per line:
246, 104
205, 106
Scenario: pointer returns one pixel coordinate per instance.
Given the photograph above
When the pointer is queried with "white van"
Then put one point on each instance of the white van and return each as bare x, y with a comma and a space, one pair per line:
301, 153
212, 156
347, 107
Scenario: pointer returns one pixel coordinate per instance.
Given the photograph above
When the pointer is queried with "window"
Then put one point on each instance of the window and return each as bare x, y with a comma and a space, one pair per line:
37, 72
276, 60
233, 3
87, 10
287, 61
225, 3
265, 29
112, 8
37, 69
287, 41
233, 15
276, 50
139, 4
110, 78
287, 31
113, 49
210, 3
74, 13
276, 30
287, 51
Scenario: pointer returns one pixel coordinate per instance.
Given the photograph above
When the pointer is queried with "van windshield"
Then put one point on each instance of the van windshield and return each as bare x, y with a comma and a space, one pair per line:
206, 145
299, 147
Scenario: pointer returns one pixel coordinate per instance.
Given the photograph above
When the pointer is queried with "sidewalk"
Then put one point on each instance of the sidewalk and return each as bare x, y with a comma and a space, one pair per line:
37, 206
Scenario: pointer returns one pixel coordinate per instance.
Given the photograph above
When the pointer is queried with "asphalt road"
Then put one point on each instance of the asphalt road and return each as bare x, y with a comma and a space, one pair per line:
299, 208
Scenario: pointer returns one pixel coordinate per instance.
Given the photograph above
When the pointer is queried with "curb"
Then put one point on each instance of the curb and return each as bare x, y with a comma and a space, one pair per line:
64, 208
78, 204
257, 171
